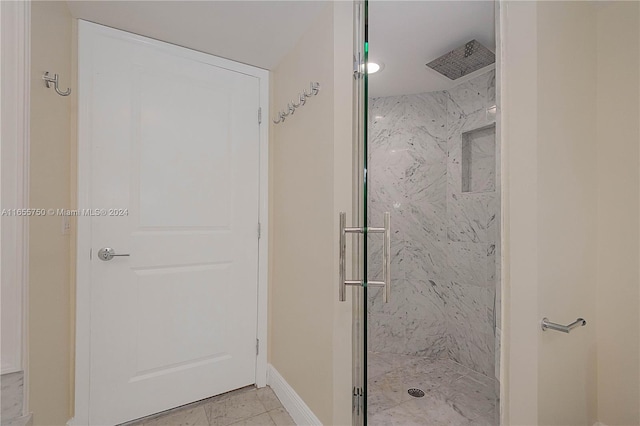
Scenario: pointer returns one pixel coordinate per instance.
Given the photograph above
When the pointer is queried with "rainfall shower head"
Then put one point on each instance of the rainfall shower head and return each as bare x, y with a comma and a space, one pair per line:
464, 60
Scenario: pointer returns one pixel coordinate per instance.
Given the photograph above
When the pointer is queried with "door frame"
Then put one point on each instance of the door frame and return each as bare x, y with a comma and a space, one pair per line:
83, 261
16, 118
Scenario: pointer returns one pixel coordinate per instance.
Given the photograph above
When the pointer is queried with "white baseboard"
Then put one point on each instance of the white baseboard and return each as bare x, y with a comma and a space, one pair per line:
291, 401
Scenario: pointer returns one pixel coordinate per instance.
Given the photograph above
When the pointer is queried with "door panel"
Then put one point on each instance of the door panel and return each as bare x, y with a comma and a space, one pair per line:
174, 145
359, 322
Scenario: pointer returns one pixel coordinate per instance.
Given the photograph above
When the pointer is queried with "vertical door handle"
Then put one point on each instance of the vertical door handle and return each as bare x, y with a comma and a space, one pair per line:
343, 282
386, 257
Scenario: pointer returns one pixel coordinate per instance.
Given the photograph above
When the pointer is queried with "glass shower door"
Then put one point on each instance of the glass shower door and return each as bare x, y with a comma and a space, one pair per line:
375, 238
359, 292
431, 159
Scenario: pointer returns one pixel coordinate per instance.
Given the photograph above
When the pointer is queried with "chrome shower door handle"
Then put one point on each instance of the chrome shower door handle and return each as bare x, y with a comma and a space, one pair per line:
107, 253
343, 282
386, 257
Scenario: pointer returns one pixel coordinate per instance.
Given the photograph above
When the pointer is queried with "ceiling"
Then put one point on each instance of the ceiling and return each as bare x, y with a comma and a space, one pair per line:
404, 35
258, 33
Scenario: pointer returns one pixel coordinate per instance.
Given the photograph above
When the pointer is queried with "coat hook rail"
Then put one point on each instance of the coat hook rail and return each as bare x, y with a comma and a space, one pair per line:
48, 80
314, 88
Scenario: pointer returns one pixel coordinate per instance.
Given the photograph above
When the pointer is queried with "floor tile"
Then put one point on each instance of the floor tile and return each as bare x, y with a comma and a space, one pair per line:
281, 418
186, 417
268, 398
260, 420
231, 408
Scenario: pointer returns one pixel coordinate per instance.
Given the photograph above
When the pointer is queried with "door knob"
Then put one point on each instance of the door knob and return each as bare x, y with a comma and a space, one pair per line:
107, 253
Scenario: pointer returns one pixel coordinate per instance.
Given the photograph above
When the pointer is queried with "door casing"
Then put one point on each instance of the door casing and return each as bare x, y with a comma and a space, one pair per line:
83, 265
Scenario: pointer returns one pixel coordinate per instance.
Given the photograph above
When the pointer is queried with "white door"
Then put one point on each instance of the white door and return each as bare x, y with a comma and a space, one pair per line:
173, 144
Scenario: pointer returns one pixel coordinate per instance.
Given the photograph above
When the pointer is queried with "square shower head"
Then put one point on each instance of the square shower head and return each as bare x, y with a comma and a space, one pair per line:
464, 60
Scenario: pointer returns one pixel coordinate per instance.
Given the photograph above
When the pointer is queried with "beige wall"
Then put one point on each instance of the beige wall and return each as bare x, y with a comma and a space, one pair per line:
570, 122
302, 169
49, 249
618, 135
567, 209
570, 115
518, 117
342, 201
311, 173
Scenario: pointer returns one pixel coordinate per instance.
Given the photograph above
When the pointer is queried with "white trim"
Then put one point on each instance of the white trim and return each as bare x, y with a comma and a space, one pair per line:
83, 297
291, 401
15, 132
263, 243
15, 89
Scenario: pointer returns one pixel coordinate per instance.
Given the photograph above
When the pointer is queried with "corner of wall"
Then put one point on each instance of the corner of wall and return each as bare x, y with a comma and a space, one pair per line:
50, 279
302, 192
518, 68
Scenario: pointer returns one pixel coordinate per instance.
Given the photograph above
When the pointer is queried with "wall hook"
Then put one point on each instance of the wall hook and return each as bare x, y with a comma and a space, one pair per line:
314, 88
48, 80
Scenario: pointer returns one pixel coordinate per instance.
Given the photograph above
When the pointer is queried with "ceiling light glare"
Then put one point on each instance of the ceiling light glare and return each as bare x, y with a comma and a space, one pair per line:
373, 67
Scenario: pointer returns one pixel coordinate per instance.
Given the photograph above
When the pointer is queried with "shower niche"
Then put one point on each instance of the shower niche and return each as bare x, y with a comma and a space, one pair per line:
479, 160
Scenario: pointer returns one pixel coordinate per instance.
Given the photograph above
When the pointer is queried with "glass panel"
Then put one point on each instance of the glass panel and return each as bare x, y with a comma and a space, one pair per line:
359, 219
433, 163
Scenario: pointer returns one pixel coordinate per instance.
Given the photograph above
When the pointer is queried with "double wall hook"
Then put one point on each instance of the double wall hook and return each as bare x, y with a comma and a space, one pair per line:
314, 89
48, 80
302, 99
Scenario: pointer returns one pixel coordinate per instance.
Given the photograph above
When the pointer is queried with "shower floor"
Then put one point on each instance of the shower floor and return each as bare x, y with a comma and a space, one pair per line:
454, 394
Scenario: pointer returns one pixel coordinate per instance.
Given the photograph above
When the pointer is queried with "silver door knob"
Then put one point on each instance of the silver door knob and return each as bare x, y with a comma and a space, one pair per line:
107, 253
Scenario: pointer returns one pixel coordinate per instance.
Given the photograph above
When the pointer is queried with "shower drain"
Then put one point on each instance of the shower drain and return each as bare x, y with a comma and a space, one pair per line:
416, 393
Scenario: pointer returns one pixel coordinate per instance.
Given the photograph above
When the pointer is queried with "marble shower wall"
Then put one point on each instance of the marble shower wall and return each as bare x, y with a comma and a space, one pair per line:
11, 394
444, 240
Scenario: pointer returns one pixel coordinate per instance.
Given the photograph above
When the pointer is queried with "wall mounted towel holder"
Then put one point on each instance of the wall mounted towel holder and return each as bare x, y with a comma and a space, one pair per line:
546, 324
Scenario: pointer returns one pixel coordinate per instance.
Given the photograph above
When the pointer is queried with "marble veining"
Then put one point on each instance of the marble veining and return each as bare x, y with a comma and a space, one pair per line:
11, 385
433, 163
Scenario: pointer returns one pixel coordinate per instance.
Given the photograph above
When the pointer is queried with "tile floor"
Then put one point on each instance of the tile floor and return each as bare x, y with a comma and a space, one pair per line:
244, 407
454, 394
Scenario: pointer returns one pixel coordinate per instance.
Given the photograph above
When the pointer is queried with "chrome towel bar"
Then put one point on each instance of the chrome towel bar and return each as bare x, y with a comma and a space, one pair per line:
546, 324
